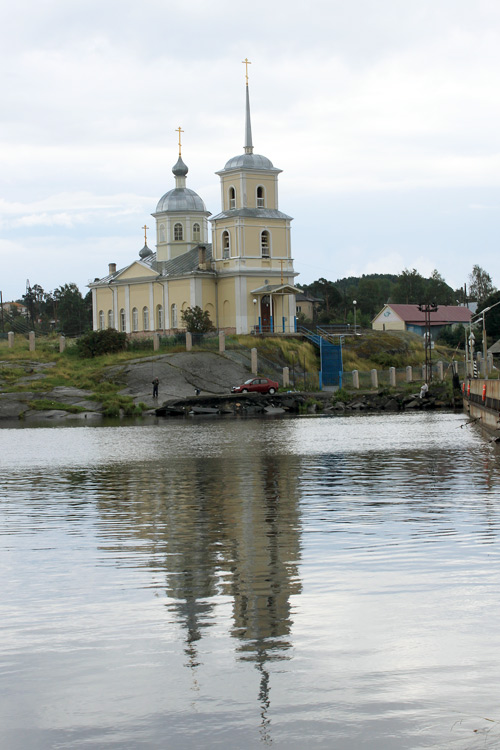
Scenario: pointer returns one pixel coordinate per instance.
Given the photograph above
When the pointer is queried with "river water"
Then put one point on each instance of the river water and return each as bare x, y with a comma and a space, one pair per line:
319, 582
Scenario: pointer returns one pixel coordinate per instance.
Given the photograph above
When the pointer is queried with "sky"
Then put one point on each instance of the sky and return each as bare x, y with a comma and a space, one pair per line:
383, 115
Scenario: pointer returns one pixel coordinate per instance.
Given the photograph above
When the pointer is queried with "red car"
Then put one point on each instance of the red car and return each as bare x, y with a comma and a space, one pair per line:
257, 385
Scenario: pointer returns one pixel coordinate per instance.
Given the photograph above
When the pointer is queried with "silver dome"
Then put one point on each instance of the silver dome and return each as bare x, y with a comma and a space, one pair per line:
249, 161
180, 199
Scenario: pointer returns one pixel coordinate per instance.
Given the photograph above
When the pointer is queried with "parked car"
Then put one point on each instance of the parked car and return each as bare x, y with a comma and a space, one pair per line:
256, 385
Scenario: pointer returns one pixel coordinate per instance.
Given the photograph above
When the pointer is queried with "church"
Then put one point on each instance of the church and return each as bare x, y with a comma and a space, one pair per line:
243, 278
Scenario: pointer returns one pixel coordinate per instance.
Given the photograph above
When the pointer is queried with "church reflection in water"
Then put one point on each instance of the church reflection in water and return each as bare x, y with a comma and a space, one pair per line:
223, 531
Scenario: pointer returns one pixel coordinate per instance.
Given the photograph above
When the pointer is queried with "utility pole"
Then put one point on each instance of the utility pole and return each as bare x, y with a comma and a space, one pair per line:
427, 310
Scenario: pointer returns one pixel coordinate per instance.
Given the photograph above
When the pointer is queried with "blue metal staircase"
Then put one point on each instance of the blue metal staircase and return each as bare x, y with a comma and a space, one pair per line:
330, 356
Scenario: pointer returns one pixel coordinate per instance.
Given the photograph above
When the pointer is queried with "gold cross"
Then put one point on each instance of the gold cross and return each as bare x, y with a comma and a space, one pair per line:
246, 62
145, 237
178, 130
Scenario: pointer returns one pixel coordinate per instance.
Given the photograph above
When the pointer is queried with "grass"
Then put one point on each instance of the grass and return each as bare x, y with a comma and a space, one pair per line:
46, 404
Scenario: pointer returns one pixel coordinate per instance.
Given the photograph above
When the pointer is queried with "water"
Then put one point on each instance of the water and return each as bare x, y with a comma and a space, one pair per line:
321, 582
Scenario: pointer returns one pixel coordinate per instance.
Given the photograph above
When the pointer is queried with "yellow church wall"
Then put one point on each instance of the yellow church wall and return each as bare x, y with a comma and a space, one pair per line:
136, 271
247, 183
246, 241
269, 185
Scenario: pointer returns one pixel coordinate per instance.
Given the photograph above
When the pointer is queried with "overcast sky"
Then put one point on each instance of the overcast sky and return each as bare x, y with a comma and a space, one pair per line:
383, 115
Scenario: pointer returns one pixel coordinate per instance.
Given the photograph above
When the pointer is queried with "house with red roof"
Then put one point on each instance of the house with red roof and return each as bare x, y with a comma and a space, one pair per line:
410, 318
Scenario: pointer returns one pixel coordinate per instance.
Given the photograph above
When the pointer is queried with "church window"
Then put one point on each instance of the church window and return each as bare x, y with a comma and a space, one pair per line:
264, 244
226, 246
159, 316
161, 233
173, 318
145, 318
110, 318
196, 232
135, 319
178, 233
232, 197
101, 320
123, 326
260, 197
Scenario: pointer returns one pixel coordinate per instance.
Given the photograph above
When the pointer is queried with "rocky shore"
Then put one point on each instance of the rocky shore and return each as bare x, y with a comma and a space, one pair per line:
300, 403
181, 376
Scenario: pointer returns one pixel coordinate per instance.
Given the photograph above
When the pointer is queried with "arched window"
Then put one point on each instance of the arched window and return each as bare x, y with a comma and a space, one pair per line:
135, 319
173, 317
161, 233
178, 233
232, 197
123, 324
101, 320
260, 197
196, 232
110, 318
145, 319
226, 244
159, 316
265, 242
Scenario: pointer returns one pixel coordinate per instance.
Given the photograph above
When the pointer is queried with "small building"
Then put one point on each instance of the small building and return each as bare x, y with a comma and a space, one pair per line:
410, 318
306, 305
14, 308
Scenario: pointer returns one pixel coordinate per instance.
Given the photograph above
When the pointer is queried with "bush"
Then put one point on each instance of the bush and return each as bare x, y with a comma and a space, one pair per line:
94, 343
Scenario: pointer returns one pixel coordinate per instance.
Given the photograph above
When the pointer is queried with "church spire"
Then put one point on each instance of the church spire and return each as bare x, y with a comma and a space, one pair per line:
248, 125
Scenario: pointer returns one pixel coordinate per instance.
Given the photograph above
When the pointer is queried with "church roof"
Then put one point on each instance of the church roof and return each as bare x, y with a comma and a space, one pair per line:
180, 199
250, 161
252, 213
185, 263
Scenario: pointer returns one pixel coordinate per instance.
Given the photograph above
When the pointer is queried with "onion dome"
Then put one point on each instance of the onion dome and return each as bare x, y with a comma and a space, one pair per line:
145, 252
180, 169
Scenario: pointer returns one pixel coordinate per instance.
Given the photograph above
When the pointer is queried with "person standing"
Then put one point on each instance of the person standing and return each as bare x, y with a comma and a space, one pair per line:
156, 383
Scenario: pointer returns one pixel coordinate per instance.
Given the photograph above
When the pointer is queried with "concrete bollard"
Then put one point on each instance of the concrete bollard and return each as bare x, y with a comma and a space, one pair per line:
156, 342
392, 377
286, 377
254, 363
222, 341
355, 379
409, 374
189, 341
62, 344
374, 377
440, 370
31, 339
10, 337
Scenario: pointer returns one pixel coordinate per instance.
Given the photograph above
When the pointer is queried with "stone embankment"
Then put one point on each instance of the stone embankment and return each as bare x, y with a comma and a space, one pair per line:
298, 402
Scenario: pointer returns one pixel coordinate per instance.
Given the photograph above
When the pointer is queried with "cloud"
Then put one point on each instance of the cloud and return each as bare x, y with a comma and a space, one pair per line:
354, 99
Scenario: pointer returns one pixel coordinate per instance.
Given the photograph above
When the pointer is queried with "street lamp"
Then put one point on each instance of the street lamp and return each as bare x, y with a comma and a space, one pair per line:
255, 314
485, 345
354, 303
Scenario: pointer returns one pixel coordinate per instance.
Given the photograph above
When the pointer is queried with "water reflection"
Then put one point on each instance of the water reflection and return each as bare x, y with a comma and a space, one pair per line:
218, 528
300, 549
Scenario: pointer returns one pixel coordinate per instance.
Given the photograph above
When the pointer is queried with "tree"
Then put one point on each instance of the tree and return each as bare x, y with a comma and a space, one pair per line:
480, 284
492, 318
438, 291
410, 288
73, 313
197, 321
